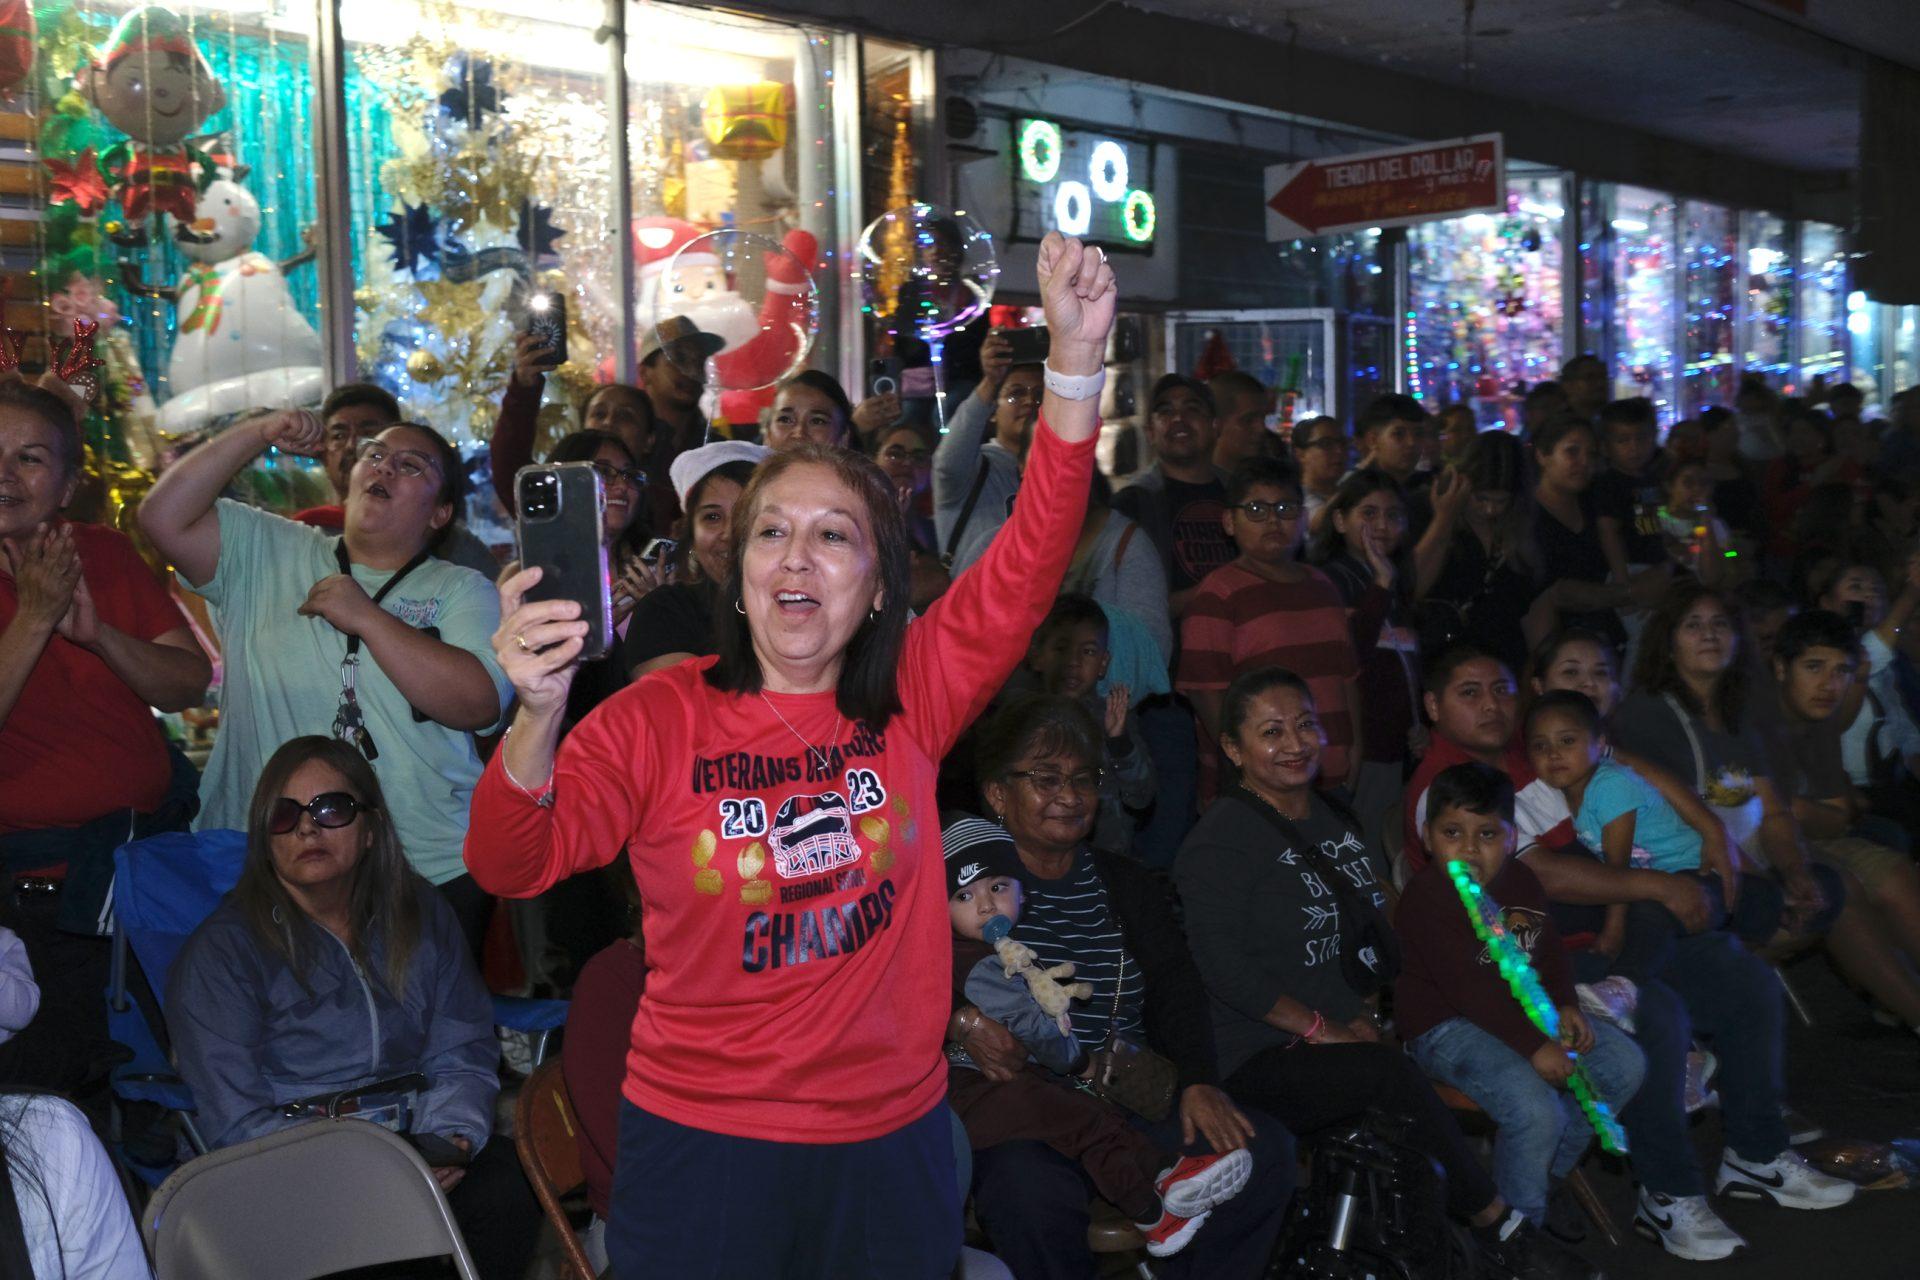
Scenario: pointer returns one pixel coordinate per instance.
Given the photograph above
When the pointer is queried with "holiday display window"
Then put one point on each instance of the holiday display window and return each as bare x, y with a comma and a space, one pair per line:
1484, 302
478, 172
1905, 365
1769, 274
1822, 305
732, 128
164, 199
1647, 279
1710, 245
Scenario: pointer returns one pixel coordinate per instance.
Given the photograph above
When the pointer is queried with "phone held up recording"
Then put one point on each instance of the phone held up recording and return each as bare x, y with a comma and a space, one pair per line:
547, 326
561, 511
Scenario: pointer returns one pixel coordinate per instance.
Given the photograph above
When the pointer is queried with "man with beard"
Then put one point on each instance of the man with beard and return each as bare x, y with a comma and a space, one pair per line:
1180, 502
974, 483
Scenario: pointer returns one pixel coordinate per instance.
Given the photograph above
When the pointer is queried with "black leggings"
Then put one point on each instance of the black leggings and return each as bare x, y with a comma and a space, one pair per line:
1310, 1088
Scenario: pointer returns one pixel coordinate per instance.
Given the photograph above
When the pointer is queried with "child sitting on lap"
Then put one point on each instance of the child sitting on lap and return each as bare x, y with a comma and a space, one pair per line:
1620, 815
1169, 1198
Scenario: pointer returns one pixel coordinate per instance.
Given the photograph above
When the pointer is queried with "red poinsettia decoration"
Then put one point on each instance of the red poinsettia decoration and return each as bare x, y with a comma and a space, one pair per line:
78, 184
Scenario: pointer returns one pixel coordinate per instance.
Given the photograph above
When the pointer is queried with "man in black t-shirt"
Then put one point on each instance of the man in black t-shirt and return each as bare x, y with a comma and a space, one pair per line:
1180, 502
1627, 494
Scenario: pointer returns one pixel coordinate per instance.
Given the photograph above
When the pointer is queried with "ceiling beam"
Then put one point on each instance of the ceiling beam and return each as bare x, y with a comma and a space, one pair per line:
1218, 62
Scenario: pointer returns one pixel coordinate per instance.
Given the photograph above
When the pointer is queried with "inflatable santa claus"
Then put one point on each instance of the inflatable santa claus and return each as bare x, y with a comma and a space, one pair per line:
682, 274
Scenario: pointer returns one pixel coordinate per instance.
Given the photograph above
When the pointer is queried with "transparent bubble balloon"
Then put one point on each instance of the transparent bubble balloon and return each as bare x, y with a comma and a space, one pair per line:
741, 305
926, 271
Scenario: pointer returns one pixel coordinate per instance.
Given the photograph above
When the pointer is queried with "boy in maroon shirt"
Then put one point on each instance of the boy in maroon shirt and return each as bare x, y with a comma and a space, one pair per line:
1458, 1016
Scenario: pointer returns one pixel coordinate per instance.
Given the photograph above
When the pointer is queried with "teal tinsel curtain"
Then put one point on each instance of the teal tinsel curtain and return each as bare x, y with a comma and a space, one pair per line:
269, 116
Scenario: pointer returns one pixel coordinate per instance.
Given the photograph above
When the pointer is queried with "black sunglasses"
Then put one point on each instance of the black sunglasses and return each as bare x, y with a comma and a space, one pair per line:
330, 809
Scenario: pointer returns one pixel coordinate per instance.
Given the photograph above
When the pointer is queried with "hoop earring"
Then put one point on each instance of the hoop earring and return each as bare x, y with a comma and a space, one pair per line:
739, 606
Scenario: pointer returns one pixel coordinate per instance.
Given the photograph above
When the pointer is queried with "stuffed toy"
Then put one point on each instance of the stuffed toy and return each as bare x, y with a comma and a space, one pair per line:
1047, 986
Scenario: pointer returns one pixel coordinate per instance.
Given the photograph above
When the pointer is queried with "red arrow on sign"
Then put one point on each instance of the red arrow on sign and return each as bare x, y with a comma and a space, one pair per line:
1391, 188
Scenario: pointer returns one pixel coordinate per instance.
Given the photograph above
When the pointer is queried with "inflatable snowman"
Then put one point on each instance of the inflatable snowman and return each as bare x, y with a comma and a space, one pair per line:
240, 342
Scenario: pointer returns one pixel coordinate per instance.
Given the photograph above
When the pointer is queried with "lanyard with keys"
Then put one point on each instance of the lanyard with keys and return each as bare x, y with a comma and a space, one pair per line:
349, 722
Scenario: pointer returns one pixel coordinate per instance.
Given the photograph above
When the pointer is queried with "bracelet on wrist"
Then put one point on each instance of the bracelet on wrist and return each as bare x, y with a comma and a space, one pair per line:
541, 795
1318, 1025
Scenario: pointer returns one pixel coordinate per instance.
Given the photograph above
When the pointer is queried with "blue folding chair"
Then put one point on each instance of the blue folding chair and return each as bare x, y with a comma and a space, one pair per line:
164, 887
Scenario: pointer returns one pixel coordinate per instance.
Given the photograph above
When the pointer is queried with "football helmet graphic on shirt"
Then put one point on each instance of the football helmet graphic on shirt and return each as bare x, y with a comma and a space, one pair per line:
811, 835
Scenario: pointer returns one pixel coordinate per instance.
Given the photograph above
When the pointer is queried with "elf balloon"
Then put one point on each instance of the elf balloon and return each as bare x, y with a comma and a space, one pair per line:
153, 84
240, 343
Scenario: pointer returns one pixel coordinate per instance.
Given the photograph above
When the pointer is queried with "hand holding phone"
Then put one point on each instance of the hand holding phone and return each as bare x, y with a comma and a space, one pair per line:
547, 326
561, 512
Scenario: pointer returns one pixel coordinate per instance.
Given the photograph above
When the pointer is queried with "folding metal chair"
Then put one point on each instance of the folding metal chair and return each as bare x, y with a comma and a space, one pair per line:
326, 1197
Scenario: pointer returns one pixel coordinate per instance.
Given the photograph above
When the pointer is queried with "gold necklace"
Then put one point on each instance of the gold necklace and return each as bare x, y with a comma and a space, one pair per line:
821, 760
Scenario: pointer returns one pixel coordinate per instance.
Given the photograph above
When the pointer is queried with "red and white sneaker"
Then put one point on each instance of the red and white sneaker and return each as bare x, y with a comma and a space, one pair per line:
1189, 1190
1170, 1235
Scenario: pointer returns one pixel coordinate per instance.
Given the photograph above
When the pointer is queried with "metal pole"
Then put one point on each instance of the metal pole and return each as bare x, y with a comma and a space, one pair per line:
332, 197
614, 34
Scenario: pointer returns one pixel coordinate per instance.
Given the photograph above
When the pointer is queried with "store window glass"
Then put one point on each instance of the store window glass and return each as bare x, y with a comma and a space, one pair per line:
731, 126
1710, 245
1906, 350
1823, 304
1484, 302
179, 233
1350, 272
1769, 307
479, 166
1595, 254
1646, 282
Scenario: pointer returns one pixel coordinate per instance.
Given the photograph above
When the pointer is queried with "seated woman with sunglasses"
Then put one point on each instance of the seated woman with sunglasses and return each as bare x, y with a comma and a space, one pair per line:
365, 636
330, 967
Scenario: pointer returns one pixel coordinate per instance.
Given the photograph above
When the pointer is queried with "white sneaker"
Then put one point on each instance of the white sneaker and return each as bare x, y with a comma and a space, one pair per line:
1685, 1226
1787, 1180
1613, 998
1701, 1065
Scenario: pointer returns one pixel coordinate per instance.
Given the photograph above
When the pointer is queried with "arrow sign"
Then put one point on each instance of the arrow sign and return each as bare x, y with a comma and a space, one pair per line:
1393, 188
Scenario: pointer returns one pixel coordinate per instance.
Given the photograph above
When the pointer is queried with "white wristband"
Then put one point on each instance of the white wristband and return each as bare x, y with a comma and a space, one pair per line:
1069, 387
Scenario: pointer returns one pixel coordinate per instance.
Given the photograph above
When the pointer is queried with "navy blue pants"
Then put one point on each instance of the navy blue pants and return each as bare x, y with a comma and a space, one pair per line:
706, 1206
1032, 1201
1718, 989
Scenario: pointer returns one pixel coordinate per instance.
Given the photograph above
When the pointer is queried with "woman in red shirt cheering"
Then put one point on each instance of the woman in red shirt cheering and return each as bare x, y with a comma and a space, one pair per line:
782, 1101
90, 642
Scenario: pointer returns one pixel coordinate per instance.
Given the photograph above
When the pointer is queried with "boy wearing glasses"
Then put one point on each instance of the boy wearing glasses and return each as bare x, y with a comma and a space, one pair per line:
1263, 609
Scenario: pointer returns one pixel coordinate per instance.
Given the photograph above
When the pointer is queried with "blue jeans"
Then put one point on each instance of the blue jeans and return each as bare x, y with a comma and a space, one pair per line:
1542, 1131
1718, 989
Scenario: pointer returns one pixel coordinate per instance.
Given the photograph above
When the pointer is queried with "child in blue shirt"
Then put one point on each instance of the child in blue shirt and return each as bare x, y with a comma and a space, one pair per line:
1617, 814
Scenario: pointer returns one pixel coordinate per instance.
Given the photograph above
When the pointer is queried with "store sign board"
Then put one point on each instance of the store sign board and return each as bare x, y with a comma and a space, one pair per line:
1094, 185
1393, 188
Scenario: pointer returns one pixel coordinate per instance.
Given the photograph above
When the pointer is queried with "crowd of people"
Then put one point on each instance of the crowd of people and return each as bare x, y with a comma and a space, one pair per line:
1301, 779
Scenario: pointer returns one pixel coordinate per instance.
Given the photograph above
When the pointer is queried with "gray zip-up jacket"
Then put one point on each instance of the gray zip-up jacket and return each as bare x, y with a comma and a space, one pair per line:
250, 1038
957, 464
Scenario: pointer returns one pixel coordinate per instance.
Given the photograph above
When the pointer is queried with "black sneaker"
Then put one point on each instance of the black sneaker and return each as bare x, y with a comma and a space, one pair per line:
1566, 1221
1515, 1249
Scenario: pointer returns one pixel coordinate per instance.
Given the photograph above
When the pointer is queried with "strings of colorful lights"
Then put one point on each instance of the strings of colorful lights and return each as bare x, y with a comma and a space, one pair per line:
1483, 913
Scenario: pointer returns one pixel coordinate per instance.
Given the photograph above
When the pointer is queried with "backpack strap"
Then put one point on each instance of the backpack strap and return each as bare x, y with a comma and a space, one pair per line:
966, 514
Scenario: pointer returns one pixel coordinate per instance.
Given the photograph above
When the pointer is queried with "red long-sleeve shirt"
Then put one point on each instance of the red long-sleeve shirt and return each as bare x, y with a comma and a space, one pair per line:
798, 942
1446, 971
